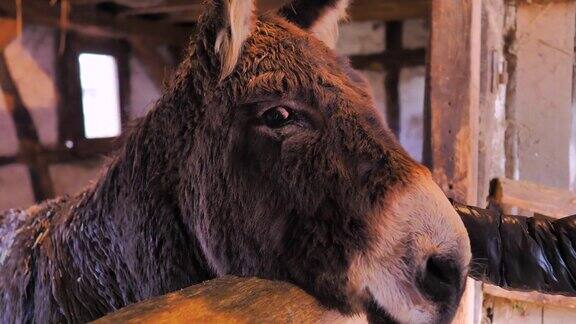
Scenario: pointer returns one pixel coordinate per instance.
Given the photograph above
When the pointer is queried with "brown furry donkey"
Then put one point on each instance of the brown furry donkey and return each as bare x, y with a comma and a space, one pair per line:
264, 157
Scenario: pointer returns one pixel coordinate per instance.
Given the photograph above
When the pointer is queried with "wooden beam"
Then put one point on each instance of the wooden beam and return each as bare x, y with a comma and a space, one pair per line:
90, 21
381, 62
394, 34
27, 134
454, 96
6, 160
59, 154
229, 300
454, 83
190, 9
389, 10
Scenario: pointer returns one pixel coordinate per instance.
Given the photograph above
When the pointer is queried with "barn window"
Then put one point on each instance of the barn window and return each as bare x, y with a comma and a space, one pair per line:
100, 95
93, 79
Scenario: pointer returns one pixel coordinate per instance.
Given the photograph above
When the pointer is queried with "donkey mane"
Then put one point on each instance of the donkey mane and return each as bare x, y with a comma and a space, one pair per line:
119, 241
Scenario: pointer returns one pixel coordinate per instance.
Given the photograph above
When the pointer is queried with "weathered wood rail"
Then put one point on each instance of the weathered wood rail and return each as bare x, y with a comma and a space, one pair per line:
231, 300
534, 197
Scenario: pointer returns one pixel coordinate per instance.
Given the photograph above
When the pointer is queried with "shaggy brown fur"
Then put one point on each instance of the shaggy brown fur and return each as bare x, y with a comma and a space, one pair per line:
281, 170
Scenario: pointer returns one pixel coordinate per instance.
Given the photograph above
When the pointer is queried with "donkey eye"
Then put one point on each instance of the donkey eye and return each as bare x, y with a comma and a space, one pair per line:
276, 117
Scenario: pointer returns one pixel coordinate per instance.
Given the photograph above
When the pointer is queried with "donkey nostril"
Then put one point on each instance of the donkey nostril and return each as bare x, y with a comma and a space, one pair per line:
441, 280
439, 270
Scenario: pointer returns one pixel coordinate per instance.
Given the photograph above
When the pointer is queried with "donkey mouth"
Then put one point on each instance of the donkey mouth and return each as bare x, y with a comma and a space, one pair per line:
376, 314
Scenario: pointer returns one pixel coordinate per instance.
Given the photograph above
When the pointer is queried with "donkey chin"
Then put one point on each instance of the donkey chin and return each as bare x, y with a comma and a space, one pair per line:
416, 269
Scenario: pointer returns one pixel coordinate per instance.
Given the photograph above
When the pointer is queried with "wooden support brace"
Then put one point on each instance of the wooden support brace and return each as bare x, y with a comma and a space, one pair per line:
534, 197
380, 62
27, 134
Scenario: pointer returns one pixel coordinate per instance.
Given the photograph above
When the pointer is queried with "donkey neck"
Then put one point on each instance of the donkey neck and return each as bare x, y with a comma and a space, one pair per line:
131, 224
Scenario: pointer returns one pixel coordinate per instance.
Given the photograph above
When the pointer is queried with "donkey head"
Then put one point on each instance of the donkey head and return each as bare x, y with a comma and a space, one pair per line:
293, 176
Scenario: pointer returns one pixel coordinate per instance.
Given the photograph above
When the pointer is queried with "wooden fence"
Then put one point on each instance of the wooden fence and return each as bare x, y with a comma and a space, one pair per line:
230, 300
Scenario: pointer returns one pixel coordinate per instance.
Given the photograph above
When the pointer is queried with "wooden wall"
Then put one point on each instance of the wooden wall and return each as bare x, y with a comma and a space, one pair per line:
526, 115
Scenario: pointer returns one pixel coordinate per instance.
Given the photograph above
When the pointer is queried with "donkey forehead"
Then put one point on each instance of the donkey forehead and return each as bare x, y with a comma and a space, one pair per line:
280, 56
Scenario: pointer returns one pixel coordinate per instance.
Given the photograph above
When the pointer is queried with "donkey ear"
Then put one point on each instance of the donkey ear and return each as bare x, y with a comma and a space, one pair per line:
238, 21
320, 17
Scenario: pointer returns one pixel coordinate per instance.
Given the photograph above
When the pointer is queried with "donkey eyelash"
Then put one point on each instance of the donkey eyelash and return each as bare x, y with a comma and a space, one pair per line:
299, 115
278, 116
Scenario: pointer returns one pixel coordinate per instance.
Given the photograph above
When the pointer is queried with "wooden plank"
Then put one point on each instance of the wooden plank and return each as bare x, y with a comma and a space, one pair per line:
534, 197
55, 156
389, 10
150, 7
380, 62
386, 10
504, 311
98, 23
531, 297
558, 315
85, 18
453, 85
492, 118
194, 9
229, 300
27, 134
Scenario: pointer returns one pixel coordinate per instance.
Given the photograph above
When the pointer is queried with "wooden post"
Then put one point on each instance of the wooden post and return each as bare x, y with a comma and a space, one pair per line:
392, 81
493, 79
454, 85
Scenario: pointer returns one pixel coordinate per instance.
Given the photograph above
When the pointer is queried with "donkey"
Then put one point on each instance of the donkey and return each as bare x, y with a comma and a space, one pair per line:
264, 157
